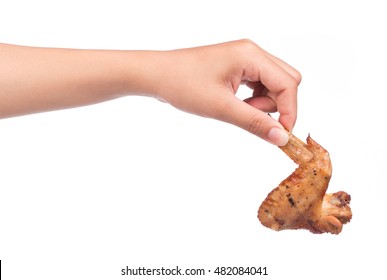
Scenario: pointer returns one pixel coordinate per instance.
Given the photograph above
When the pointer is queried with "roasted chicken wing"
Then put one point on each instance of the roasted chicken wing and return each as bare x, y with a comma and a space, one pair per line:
300, 202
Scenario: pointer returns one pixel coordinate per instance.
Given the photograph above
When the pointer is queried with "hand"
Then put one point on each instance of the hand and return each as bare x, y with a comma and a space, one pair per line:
204, 81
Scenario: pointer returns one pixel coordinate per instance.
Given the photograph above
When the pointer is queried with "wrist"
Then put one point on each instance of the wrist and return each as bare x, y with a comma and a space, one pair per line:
145, 72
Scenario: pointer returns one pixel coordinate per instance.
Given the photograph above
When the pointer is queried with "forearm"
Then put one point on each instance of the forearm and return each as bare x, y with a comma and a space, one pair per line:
44, 79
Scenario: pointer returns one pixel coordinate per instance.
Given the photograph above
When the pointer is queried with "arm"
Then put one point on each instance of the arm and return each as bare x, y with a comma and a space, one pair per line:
200, 80
44, 79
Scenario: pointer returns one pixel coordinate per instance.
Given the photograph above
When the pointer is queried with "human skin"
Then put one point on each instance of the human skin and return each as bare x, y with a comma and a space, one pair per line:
202, 80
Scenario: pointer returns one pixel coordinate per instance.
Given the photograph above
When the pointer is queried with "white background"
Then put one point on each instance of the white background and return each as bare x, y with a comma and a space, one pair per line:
85, 192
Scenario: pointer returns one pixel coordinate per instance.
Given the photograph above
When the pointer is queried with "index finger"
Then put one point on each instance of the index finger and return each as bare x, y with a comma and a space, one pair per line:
282, 86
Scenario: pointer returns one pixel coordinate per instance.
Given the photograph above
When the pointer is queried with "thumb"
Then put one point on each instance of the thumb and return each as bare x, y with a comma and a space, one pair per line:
257, 122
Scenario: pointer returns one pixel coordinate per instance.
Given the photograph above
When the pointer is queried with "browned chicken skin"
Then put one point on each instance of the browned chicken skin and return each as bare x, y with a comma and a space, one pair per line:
300, 202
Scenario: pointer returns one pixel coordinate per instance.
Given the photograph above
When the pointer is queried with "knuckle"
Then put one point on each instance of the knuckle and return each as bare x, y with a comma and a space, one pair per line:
297, 76
247, 45
246, 41
255, 125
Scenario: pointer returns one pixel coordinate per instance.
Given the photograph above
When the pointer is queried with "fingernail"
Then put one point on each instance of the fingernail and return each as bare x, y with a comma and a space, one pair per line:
278, 136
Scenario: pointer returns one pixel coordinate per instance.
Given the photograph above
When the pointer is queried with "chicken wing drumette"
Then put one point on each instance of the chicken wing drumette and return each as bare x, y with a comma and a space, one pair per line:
300, 202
